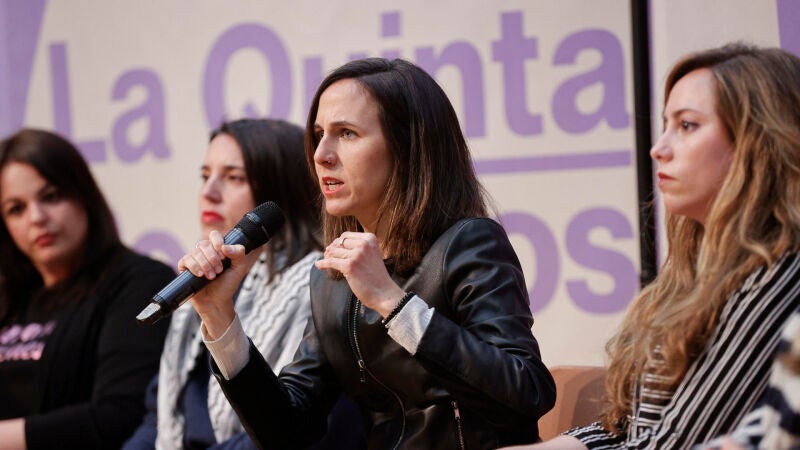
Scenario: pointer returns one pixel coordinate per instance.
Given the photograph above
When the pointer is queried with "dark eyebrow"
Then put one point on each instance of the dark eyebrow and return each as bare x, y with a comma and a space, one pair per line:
227, 168
46, 186
339, 124
41, 190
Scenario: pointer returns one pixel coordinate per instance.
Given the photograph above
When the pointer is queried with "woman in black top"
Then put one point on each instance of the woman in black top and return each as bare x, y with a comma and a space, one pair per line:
423, 316
73, 362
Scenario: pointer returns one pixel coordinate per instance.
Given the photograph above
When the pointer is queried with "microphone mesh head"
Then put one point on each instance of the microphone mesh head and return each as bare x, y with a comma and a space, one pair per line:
260, 224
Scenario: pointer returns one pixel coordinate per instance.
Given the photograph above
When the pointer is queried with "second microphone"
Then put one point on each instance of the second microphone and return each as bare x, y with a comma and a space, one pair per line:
252, 231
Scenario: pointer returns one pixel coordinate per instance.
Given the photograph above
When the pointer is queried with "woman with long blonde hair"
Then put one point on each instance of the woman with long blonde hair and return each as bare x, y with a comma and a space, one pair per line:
693, 355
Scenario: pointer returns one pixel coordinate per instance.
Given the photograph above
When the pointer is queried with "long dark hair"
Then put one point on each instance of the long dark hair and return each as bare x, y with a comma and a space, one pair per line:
433, 183
61, 164
272, 151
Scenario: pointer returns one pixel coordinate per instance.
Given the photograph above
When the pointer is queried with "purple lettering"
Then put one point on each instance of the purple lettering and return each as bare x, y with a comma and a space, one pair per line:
31, 331
62, 116
789, 25
152, 110
22, 352
36, 349
312, 68
615, 264
610, 74
93, 151
546, 252
390, 27
10, 334
21, 22
390, 24
465, 57
269, 44
154, 242
511, 51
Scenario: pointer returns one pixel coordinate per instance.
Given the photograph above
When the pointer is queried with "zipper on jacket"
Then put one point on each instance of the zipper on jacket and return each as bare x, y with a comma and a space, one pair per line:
362, 366
457, 414
355, 306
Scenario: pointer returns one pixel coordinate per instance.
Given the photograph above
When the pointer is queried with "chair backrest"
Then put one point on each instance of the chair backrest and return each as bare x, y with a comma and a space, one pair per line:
579, 391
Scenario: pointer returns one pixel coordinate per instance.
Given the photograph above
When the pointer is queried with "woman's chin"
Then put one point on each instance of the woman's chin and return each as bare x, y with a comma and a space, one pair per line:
335, 210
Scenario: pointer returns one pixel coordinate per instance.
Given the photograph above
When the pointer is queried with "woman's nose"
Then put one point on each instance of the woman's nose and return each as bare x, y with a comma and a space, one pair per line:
36, 213
324, 153
661, 149
210, 189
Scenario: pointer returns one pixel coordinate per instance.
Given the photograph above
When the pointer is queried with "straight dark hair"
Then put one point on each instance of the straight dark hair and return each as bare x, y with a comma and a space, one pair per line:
63, 166
433, 183
272, 151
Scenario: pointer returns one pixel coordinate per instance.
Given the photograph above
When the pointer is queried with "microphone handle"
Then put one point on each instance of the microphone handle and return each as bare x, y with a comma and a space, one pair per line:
254, 230
173, 295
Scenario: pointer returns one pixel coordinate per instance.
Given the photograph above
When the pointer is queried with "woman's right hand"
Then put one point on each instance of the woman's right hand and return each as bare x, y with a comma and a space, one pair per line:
214, 302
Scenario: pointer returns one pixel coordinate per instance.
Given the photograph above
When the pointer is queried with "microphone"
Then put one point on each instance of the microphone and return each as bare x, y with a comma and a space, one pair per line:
253, 231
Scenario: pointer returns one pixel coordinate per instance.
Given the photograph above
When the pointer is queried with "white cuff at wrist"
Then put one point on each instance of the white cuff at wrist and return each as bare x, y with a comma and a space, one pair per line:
231, 351
410, 323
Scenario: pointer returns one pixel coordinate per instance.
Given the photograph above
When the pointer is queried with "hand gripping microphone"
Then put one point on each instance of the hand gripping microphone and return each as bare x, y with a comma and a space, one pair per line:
253, 231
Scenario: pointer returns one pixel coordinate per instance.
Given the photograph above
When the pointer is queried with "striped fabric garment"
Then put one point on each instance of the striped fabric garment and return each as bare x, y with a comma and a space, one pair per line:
724, 382
274, 315
775, 423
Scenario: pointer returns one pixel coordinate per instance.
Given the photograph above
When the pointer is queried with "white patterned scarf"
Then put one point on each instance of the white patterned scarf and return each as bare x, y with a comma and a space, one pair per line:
273, 315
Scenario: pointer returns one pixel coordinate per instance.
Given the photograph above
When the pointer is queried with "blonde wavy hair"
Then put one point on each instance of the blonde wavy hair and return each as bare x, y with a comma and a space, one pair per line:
754, 218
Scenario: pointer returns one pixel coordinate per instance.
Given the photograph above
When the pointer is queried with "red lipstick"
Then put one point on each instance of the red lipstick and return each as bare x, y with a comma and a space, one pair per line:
208, 217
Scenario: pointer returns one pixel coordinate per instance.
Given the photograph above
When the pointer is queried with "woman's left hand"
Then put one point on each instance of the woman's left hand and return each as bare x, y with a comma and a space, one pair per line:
358, 257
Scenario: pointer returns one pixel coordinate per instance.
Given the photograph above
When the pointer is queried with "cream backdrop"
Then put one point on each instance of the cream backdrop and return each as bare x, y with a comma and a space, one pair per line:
543, 90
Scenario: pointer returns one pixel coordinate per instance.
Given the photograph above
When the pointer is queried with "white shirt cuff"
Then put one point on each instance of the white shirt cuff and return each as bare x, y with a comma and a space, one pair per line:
410, 323
231, 351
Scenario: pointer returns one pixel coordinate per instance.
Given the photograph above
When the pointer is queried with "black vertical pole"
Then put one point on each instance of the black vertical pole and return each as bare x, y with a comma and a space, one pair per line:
640, 35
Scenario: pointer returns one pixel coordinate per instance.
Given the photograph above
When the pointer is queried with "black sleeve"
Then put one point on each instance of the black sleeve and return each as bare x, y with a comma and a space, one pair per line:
127, 357
485, 353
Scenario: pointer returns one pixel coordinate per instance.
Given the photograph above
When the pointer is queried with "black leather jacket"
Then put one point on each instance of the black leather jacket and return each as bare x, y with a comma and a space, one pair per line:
476, 381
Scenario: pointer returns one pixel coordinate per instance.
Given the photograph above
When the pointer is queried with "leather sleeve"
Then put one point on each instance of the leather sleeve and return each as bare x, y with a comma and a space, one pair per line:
482, 350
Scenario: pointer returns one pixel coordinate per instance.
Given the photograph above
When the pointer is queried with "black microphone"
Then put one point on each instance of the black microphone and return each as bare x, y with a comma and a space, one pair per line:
253, 231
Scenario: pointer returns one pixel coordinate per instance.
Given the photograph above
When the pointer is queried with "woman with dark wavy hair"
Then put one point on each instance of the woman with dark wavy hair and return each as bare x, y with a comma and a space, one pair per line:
73, 365
420, 312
